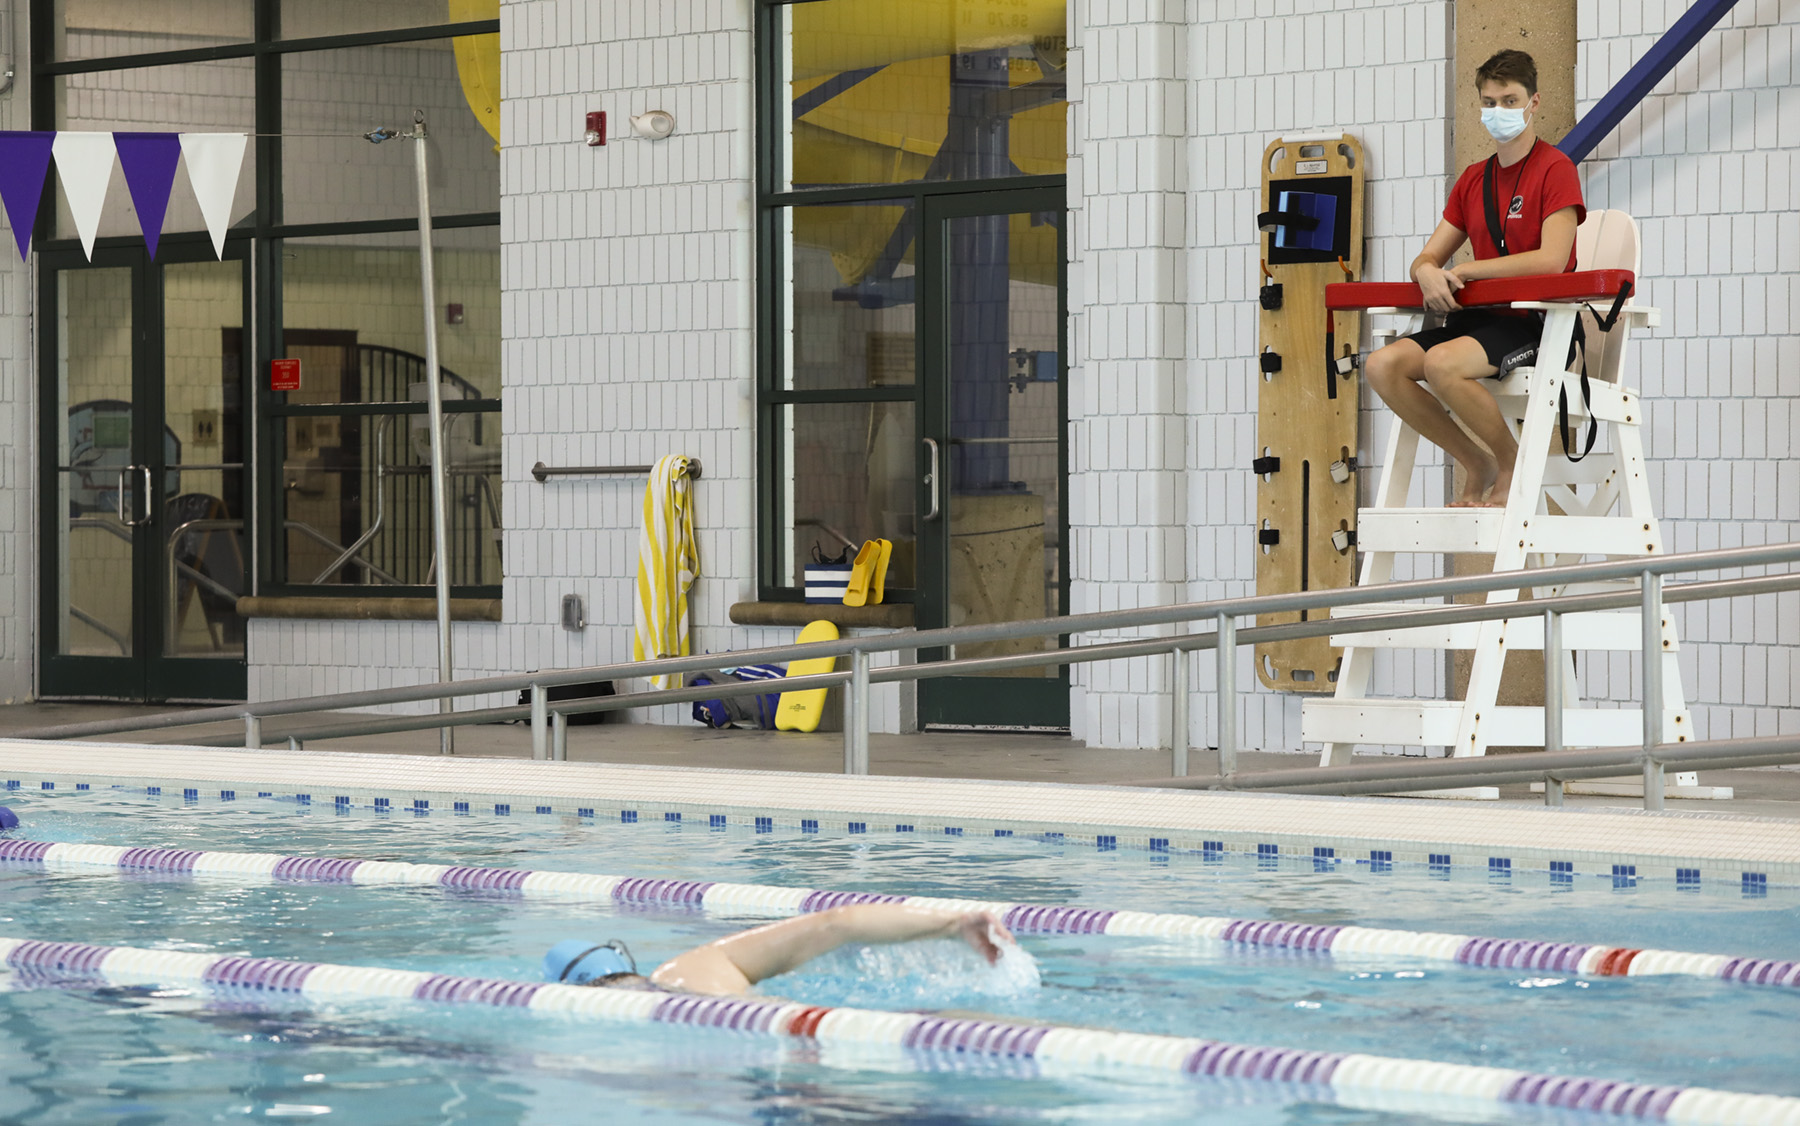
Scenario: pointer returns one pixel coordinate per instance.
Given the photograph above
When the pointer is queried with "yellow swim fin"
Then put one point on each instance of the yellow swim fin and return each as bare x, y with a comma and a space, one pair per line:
862, 574
878, 585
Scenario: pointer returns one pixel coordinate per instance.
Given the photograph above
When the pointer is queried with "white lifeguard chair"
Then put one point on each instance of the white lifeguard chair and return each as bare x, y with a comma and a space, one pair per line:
1558, 512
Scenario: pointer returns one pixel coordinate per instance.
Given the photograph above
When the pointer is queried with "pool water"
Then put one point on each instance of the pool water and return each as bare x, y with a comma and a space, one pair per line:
167, 1056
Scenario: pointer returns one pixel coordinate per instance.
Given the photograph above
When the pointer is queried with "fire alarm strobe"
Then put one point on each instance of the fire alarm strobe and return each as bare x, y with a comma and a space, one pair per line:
596, 127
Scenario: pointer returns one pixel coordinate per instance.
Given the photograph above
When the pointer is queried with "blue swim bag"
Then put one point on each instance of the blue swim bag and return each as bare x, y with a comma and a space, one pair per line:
732, 711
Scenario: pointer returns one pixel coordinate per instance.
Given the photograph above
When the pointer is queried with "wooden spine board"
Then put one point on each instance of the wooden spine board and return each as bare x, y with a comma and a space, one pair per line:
1306, 420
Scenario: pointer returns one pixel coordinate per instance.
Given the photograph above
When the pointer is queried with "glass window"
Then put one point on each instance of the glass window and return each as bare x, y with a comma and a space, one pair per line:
850, 281
357, 495
331, 98
356, 485
348, 455
307, 19
216, 97
897, 91
849, 474
366, 289
95, 29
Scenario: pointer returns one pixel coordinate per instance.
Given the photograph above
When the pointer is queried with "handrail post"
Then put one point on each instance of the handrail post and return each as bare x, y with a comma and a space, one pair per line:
540, 722
1178, 711
1553, 681
253, 740
1653, 688
1553, 700
559, 737
856, 715
1225, 634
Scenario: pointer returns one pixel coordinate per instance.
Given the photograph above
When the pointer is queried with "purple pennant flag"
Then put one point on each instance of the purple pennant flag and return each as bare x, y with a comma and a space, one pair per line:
24, 161
149, 161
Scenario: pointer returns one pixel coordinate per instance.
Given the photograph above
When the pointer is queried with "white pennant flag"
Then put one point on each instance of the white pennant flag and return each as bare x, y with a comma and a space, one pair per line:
84, 164
214, 161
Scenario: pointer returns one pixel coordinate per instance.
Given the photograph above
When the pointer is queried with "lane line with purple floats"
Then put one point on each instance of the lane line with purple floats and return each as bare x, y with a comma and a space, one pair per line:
1021, 918
1052, 1050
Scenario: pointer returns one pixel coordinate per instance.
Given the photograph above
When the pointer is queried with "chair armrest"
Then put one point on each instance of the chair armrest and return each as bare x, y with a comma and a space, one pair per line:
1645, 316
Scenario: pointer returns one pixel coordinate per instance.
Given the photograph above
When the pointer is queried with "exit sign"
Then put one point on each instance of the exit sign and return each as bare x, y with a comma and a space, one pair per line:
284, 375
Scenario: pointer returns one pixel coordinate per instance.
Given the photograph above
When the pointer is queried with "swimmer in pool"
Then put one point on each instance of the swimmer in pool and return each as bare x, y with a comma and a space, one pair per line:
736, 962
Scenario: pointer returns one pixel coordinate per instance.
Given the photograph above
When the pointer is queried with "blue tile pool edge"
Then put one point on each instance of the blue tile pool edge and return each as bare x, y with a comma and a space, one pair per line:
1318, 852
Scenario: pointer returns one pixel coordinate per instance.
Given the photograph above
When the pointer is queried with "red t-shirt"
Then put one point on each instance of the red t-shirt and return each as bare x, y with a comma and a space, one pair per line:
1524, 193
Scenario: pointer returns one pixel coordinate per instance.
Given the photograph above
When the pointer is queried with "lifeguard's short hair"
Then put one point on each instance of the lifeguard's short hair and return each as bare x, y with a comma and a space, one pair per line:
1509, 66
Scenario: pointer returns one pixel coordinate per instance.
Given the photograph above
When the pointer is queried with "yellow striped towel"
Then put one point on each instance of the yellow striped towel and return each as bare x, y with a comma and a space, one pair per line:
668, 562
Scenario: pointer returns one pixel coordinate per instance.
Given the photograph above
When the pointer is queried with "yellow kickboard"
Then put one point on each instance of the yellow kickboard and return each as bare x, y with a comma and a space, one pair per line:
802, 710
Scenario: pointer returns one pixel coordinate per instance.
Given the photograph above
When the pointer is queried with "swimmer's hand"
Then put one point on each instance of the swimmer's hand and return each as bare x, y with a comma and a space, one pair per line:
984, 933
1438, 287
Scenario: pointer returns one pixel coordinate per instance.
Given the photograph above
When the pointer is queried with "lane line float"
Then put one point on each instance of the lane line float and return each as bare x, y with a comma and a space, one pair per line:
1584, 959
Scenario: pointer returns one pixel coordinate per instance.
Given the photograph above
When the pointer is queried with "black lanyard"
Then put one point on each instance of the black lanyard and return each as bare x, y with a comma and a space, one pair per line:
1497, 229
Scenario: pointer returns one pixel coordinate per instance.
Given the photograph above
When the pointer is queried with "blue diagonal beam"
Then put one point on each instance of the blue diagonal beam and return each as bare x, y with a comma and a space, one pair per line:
831, 88
1658, 61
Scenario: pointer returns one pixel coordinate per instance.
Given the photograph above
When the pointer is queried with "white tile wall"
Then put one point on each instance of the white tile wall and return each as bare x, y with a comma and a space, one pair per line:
1178, 102
1708, 164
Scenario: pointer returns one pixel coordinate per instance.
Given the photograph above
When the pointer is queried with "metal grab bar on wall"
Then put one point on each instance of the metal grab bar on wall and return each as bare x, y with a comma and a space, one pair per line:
542, 471
1643, 589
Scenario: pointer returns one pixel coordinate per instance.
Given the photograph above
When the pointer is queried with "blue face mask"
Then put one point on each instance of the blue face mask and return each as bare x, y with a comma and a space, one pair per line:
1503, 124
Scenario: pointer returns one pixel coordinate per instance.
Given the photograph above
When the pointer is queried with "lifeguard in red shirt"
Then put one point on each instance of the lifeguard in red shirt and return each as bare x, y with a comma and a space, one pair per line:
1518, 211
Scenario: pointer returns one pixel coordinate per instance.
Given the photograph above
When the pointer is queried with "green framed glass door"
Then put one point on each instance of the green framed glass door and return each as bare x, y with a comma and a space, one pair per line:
142, 475
993, 448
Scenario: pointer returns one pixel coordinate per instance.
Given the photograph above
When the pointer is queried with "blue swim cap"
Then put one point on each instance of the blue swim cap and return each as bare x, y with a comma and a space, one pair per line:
8, 819
577, 961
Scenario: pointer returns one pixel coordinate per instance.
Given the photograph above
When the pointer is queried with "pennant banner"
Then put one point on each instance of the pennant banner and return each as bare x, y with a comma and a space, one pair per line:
24, 162
214, 161
84, 164
149, 161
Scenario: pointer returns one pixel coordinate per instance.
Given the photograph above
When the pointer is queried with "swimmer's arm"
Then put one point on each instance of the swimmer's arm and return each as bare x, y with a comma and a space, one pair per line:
1549, 258
735, 963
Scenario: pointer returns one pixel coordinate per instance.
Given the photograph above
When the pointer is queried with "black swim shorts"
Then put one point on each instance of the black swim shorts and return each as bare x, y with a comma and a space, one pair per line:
1509, 339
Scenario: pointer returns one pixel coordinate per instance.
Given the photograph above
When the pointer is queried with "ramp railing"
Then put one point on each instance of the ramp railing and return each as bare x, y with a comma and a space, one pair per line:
1636, 582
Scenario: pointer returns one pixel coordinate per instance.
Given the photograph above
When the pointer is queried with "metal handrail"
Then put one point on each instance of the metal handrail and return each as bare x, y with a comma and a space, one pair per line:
1420, 618
541, 471
1649, 595
1455, 773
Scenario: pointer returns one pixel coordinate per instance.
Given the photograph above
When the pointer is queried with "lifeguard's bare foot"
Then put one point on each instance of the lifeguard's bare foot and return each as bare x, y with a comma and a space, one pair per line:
1497, 494
1477, 480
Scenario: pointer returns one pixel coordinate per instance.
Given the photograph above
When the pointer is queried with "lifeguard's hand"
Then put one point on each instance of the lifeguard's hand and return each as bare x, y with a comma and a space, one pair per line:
980, 930
1438, 287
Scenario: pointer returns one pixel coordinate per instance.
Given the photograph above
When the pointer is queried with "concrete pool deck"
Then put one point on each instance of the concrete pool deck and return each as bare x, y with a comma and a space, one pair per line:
1770, 792
931, 785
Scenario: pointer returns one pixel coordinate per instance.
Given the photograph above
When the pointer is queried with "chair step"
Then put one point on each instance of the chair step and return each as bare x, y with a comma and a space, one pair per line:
1610, 630
1435, 530
1477, 531
1433, 723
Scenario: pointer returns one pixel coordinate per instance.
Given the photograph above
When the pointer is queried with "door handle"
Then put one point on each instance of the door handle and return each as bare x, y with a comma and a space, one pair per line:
149, 506
144, 475
931, 478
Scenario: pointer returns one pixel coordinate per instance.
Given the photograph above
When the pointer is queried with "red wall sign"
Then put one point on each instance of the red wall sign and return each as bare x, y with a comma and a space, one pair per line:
284, 375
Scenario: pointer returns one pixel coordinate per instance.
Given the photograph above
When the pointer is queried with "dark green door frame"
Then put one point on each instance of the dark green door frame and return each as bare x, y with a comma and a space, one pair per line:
146, 674
978, 701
